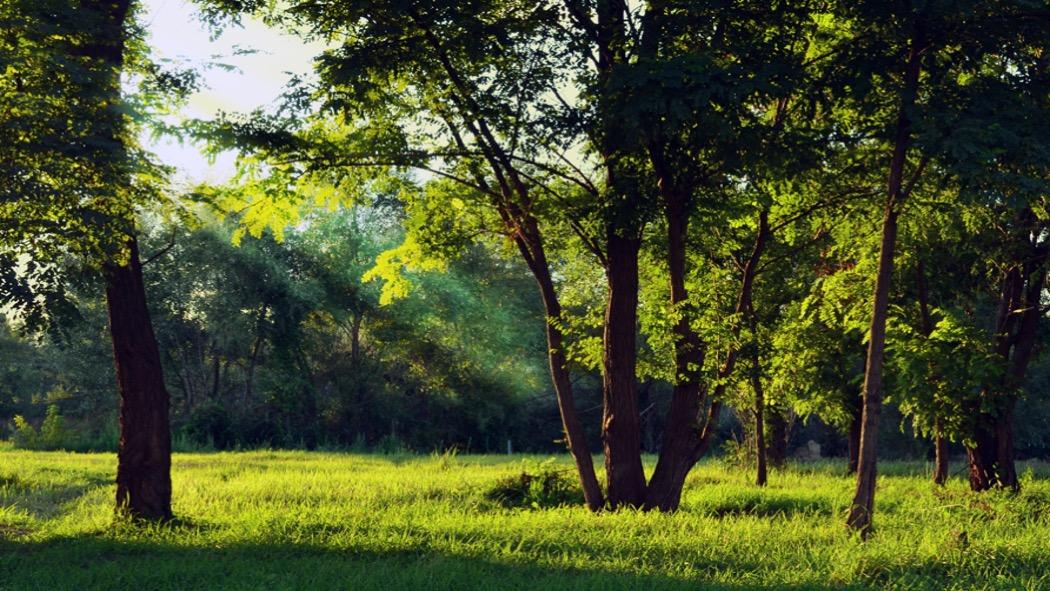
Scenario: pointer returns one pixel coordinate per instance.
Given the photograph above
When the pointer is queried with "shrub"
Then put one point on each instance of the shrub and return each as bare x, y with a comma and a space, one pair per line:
52, 433
544, 488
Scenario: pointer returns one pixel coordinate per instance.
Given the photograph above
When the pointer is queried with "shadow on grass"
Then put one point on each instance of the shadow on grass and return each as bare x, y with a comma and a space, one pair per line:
762, 505
98, 563
47, 499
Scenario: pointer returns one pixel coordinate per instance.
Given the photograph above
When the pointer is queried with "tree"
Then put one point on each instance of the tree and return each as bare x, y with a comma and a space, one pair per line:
75, 181
919, 66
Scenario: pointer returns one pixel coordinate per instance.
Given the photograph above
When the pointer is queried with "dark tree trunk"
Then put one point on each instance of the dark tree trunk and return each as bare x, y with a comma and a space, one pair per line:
144, 452
940, 444
681, 431
1004, 450
621, 435
144, 449
992, 457
981, 459
863, 505
760, 428
532, 249
530, 245
216, 372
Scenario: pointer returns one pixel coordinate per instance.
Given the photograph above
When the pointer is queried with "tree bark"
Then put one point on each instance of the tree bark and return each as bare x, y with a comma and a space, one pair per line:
682, 428
991, 458
940, 444
760, 429
861, 509
864, 498
531, 246
144, 451
621, 435
981, 458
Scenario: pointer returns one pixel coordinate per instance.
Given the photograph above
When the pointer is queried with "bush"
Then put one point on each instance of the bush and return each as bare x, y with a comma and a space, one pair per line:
52, 433
545, 488
391, 445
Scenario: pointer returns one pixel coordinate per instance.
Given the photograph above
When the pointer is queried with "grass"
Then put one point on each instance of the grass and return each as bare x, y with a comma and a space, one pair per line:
299, 520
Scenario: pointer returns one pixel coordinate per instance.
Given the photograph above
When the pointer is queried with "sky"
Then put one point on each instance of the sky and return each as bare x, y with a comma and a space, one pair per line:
176, 33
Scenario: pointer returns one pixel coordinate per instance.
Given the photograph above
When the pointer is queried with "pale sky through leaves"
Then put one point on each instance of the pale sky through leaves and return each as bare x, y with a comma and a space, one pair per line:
176, 33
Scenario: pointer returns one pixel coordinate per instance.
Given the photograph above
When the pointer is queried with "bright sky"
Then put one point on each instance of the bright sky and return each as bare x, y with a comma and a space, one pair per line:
259, 79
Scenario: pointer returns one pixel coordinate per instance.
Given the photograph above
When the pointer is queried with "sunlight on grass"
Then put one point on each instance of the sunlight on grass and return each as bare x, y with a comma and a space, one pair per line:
295, 520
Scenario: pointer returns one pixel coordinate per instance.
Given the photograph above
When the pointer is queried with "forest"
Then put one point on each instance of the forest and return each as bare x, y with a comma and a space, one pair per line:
507, 294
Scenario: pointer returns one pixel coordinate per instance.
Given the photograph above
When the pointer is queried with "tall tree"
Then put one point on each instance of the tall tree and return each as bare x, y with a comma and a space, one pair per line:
77, 155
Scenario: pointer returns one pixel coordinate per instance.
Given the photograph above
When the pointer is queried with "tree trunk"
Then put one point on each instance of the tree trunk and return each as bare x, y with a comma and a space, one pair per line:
216, 369
981, 459
992, 458
940, 444
530, 244
864, 498
682, 428
760, 429
621, 436
144, 451
860, 512
1004, 450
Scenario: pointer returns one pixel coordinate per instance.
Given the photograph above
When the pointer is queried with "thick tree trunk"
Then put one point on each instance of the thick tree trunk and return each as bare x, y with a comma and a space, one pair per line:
1004, 449
144, 452
981, 458
621, 435
863, 505
991, 459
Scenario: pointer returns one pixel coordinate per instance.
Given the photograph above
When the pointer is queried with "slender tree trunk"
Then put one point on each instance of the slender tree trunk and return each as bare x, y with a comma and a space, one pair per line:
940, 444
681, 430
532, 248
760, 411
940, 457
530, 244
863, 505
864, 498
144, 451
355, 338
216, 369
621, 436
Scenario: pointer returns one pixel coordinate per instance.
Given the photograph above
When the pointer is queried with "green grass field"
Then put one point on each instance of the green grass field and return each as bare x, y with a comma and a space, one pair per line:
298, 520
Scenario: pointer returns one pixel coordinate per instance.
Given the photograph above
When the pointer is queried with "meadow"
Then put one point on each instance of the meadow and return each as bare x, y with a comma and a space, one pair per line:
311, 520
